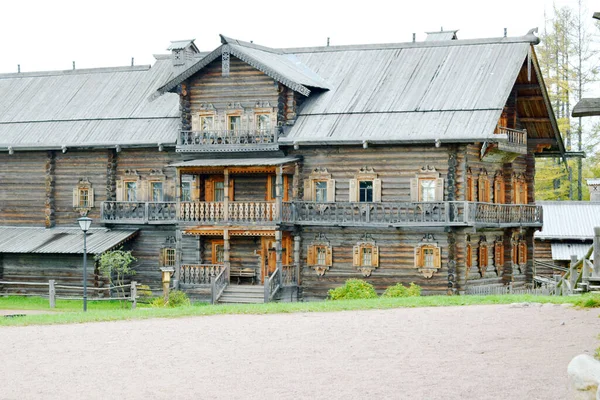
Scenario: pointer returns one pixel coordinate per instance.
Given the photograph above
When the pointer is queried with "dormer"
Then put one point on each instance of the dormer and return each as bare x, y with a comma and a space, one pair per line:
182, 53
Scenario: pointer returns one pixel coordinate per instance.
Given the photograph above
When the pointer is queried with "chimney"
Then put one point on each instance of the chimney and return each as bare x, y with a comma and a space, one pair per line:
182, 53
594, 187
441, 35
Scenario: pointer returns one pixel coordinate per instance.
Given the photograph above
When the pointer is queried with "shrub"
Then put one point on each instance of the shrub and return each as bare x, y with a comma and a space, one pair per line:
144, 294
399, 290
177, 298
353, 289
116, 266
589, 301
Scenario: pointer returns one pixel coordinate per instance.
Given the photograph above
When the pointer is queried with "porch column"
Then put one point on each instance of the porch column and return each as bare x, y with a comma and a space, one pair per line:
278, 262
178, 195
297, 247
279, 194
199, 250
296, 183
178, 247
226, 252
226, 194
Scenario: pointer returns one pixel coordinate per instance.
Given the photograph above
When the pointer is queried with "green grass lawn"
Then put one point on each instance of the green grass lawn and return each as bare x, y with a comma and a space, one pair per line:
70, 311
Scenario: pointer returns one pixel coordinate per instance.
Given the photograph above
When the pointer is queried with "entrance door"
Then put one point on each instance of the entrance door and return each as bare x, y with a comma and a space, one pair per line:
269, 256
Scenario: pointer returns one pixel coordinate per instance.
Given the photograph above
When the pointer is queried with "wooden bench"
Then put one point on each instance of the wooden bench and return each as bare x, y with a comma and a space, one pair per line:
242, 273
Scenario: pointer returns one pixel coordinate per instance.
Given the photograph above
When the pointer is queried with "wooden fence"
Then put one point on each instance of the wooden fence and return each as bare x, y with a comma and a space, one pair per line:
487, 290
66, 292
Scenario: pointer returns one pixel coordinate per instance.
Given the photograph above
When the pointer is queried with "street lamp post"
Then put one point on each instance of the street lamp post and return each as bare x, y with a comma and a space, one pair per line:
84, 224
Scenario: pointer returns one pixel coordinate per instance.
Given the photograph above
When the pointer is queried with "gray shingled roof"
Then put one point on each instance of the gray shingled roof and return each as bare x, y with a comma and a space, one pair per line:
95, 107
60, 240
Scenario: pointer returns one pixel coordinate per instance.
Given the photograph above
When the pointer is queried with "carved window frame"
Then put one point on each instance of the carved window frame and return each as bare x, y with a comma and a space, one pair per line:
319, 174
499, 256
483, 185
358, 252
499, 188
312, 251
519, 189
168, 253
420, 258
130, 176
470, 192
426, 173
365, 174
215, 245
156, 176
483, 257
84, 185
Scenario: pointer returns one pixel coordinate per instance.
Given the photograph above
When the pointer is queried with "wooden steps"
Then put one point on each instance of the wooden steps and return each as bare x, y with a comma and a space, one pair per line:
242, 294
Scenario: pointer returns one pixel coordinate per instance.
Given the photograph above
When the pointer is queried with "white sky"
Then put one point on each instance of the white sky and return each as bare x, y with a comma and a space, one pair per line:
50, 34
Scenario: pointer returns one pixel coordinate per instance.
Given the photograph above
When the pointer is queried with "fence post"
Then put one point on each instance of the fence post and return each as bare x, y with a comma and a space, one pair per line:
572, 272
510, 288
133, 294
52, 293
596, 251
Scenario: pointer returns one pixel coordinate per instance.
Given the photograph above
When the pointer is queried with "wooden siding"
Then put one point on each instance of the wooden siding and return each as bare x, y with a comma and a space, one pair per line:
23, 188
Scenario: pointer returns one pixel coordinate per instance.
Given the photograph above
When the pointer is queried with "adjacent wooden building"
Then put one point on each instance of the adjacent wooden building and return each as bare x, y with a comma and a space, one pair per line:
280, 173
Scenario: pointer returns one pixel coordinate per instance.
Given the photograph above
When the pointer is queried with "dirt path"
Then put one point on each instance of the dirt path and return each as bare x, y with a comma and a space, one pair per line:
478, 352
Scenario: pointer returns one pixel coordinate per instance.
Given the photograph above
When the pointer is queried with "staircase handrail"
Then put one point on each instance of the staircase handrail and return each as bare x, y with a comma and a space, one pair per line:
272, 285
218, 285
565, 280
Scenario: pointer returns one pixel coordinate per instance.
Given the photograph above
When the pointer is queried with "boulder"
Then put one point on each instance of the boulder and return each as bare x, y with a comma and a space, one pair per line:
584, 377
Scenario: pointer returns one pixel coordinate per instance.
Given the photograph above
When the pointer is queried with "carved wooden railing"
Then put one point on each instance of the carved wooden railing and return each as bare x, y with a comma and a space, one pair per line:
344, 213
516, 140
290, 275
272, 285
202, 274
218, 284
491, 213
138, 212
219, 140
254, 212
410, 213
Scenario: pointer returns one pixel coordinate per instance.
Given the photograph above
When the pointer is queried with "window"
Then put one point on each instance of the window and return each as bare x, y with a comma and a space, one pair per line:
427, 190
365, 187
366, 257
519, 189
235, 122
206, 122
365, 191
186, 191
130, 191
272, 187
83, 195
499, 189
484, 187
156, 191
263, 122
319, 186
320, 256
219, 194
320, 191
167, 257
428, 259
427, 185
218, 252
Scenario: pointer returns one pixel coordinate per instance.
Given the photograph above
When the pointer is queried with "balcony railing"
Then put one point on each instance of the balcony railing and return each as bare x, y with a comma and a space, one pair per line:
138, 212
410, 214
516, 140
224, 140
247, 212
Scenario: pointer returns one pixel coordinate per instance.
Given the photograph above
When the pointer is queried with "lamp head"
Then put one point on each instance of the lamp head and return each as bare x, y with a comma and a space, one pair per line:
84, 223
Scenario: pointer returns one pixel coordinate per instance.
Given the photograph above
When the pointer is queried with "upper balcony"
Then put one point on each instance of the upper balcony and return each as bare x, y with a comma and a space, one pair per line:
228, 140
510, 144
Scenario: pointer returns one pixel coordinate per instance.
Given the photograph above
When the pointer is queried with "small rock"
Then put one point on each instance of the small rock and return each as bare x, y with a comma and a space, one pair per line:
584, 375
562, 323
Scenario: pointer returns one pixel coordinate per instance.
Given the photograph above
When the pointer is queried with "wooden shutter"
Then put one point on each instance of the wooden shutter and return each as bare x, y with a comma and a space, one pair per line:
469, 256
231, 189
437, 257
196, 122
375, 256
352, 190
377, 190
414, 189
308, 190
310, 255
120, 191
418, 257
195, 189
328, 256
76, 197
209, 190
483, 262
439, 189
286, 187
356, 256
90, 197
469, 195
331, 190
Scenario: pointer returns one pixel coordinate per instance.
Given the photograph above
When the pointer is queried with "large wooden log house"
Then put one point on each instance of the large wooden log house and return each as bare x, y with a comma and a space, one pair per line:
291, 168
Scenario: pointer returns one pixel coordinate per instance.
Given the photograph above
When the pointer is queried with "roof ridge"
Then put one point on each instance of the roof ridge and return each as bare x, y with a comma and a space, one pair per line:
528, 38
79, 71
228, 40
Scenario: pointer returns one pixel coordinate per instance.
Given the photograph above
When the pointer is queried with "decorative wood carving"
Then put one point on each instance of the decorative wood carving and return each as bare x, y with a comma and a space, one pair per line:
363, 267
320, 243
49, 209
225, 61
428, 257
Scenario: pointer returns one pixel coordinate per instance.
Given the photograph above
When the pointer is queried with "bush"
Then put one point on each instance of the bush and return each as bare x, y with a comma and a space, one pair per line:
144, 294
353, 289
399, 290
589, 301
177, 298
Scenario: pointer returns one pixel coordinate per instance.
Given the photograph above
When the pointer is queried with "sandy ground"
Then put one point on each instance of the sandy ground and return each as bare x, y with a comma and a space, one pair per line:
478, 352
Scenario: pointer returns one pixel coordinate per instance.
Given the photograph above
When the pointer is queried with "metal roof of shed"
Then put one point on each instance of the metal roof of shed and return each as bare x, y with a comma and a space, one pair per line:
60, 240
569, 220
563, 251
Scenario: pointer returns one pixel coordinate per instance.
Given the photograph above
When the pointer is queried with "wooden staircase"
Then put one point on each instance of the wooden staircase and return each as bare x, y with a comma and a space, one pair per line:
242, 294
